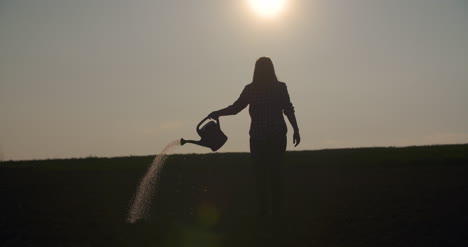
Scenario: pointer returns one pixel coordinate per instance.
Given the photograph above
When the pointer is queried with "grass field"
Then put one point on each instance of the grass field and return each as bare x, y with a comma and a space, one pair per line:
413, 196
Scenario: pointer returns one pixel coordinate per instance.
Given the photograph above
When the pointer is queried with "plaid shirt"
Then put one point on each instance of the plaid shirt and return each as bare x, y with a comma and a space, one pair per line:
267, 104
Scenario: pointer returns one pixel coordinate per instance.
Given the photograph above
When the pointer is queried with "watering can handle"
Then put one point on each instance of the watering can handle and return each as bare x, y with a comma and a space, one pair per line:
202, 121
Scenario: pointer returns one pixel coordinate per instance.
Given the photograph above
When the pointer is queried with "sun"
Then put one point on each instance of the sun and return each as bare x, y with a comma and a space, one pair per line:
267, 8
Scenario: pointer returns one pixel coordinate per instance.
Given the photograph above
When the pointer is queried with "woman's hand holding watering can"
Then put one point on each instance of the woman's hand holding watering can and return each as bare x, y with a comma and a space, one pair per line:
214, 115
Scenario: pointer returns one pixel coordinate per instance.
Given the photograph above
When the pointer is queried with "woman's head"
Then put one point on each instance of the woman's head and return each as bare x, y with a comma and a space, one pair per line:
264, 71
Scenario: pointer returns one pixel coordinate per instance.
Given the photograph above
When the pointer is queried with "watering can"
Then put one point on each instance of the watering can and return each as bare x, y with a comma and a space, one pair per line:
211, 135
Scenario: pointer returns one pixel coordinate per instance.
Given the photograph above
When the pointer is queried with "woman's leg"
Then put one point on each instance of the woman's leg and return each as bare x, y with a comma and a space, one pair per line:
277, 175
268, 155
260, 170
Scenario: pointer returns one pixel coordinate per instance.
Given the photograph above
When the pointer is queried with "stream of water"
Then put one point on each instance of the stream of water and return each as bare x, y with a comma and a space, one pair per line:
145, 191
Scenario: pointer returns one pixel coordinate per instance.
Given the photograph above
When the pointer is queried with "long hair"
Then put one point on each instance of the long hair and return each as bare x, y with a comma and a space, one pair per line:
264, 72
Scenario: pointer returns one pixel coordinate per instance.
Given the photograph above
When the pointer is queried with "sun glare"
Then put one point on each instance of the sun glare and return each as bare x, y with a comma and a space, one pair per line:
267, 8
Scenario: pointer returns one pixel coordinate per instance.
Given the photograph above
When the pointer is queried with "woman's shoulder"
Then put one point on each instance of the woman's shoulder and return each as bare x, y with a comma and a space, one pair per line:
282, 85
253, 87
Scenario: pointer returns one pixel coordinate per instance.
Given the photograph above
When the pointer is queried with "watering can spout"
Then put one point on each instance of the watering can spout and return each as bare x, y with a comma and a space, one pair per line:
183, 141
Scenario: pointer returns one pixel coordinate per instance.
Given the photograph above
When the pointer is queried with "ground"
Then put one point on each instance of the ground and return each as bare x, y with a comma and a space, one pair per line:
414, 196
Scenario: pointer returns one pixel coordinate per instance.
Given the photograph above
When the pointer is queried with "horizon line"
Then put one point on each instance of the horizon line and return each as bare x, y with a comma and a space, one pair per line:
244, 152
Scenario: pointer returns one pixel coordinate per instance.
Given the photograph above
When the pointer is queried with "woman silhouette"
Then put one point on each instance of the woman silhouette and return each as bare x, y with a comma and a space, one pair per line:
268, 99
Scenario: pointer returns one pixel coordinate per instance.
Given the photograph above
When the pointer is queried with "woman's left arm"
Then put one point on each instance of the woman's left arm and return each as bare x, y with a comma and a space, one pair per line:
288, 110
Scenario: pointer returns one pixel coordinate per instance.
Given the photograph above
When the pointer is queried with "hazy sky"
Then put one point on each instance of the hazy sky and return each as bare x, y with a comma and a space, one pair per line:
119, 77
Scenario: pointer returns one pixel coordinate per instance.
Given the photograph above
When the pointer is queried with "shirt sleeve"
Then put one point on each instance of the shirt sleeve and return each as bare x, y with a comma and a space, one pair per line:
237, 106
288, 107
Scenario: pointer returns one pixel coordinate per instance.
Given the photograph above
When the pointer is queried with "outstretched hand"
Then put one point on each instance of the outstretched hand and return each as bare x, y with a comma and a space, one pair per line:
214, 115
296, 138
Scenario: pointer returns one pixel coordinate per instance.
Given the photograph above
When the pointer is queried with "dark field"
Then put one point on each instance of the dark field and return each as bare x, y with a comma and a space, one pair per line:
415, 196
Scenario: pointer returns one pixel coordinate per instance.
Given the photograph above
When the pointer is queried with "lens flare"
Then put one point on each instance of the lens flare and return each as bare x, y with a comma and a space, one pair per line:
267, 8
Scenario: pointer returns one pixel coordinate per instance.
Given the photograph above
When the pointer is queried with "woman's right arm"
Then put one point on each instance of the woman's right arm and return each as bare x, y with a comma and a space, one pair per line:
233, 109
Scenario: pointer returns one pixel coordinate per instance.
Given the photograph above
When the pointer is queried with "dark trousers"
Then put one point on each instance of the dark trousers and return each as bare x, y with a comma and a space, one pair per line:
268, 155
